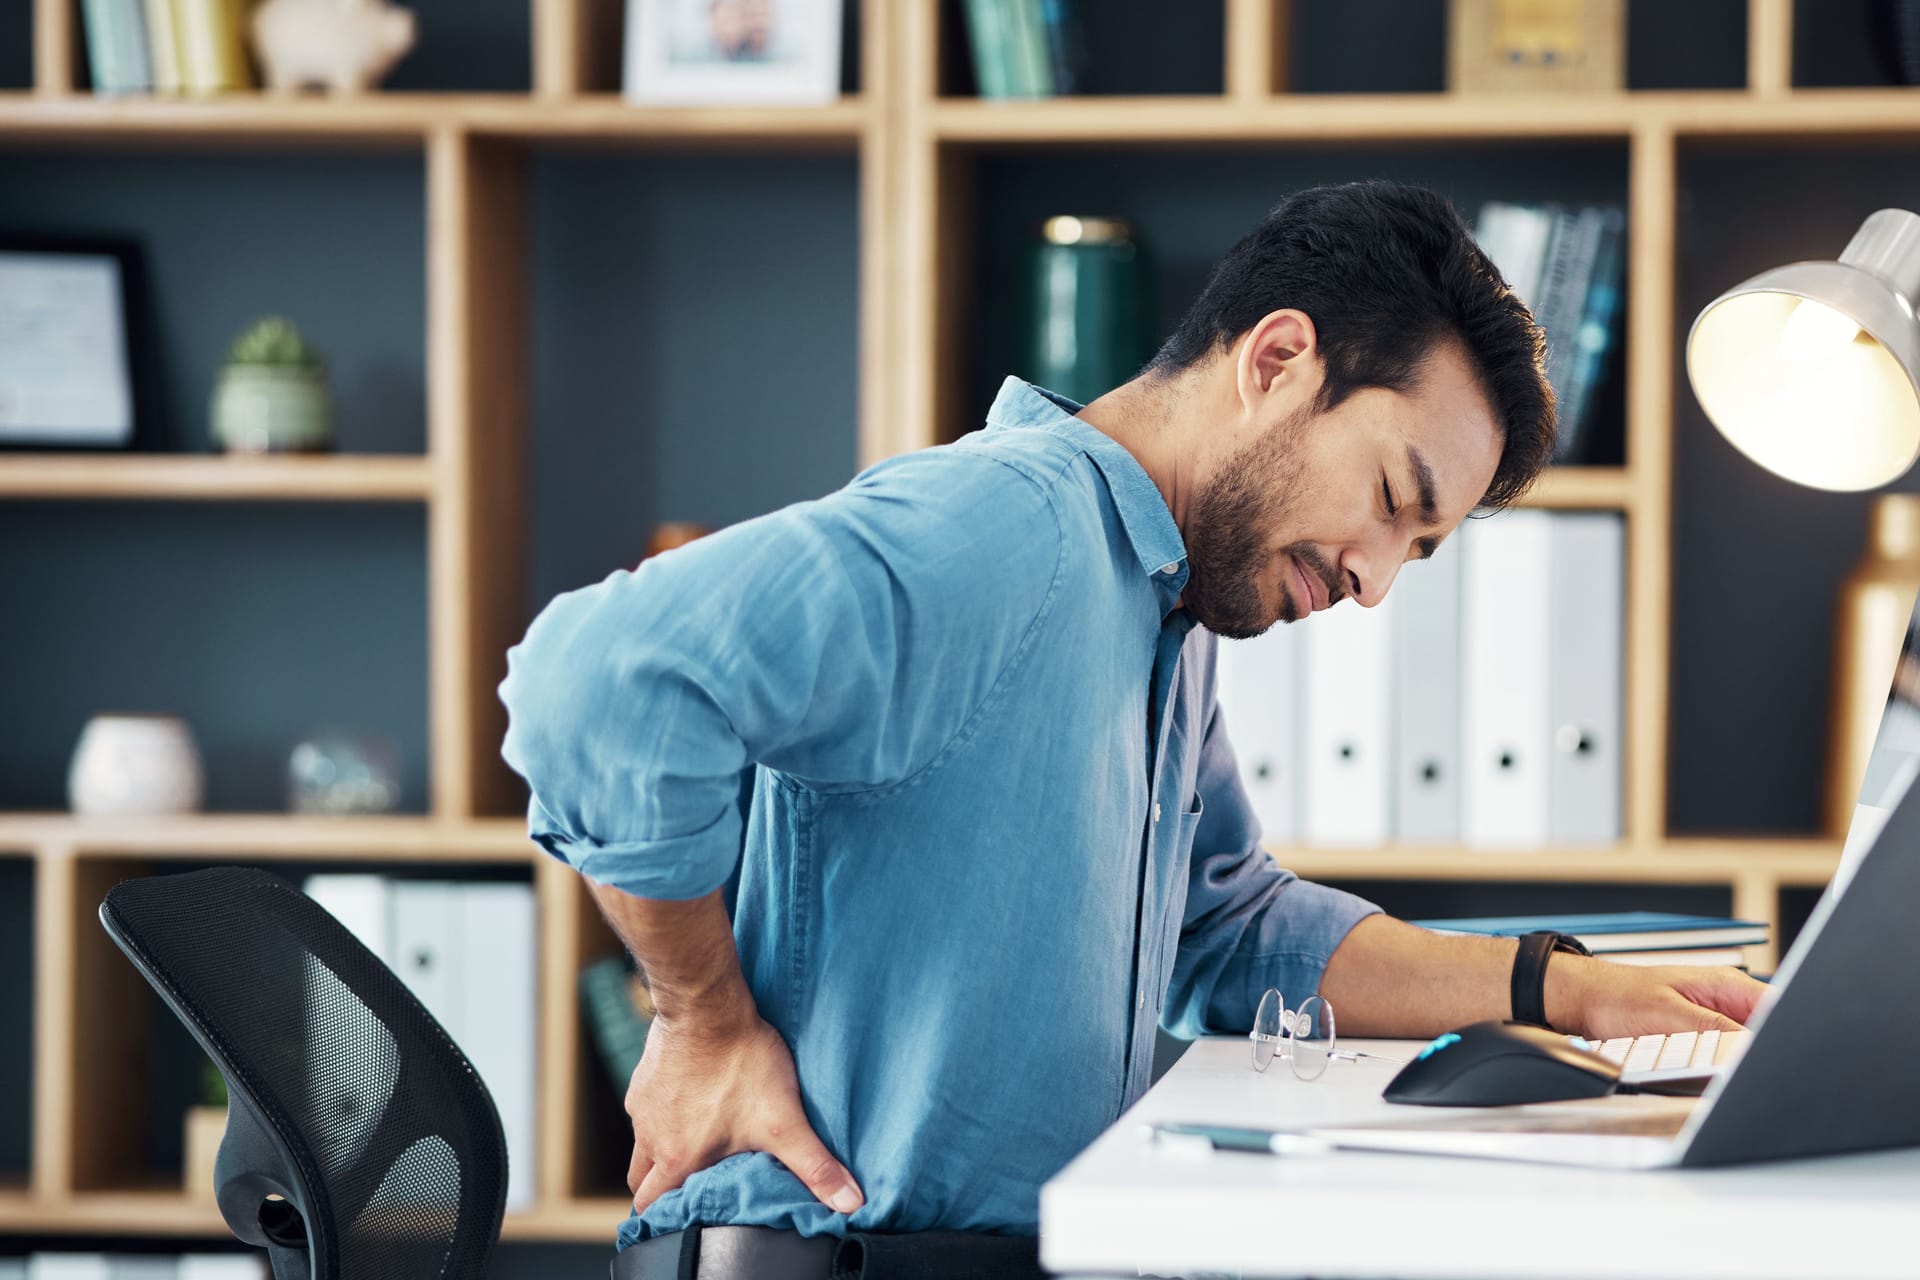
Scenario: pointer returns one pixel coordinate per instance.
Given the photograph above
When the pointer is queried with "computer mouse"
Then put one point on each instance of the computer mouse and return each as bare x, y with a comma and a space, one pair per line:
1498, 1064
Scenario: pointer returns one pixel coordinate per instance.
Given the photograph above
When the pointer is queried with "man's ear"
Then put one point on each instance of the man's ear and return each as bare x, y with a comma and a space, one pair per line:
1277, 355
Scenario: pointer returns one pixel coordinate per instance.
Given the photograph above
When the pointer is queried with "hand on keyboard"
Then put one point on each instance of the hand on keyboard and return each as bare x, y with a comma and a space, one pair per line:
1605, 1001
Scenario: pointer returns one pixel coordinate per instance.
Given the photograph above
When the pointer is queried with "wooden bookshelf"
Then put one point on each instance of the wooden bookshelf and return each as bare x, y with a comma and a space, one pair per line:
916, 151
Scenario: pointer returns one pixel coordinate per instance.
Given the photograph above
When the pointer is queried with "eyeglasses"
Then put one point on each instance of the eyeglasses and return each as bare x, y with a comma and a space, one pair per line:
1307, 1033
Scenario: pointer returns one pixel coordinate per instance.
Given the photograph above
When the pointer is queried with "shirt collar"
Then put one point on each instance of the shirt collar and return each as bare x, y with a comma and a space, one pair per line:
1143, 511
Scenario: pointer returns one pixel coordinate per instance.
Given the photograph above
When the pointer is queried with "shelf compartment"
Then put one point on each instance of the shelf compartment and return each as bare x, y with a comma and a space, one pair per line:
228, 237
261, 624
136, 1067
647, 272
1187, 207
211, 477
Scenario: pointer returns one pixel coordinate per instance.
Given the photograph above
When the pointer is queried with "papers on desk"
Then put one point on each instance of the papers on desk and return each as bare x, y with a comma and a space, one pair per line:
1481, 703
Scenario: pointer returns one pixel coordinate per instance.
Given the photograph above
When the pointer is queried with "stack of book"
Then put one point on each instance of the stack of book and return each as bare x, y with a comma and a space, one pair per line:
467, 952
1024, 48
166, 46
1479, 704
1629, 937
1565, 264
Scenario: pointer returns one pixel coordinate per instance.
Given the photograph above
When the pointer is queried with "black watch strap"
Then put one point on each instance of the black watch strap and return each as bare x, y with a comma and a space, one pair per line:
1528, 989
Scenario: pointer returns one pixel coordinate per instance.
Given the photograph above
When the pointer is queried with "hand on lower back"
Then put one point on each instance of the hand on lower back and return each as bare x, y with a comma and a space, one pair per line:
700, 1095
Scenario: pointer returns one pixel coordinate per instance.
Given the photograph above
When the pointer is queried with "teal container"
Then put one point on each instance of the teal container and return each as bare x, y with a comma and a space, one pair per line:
1089, 307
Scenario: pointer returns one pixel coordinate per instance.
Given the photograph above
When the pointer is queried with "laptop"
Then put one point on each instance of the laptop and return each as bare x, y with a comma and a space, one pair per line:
1830, 1061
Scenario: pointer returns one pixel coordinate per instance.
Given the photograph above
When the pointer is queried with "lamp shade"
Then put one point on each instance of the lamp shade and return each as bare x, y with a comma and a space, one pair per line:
1813, 369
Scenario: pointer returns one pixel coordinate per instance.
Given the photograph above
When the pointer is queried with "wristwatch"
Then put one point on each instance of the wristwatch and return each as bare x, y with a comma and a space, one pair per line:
1529, 986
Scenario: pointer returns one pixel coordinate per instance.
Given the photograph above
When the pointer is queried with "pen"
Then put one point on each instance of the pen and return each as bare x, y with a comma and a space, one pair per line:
1230, 1138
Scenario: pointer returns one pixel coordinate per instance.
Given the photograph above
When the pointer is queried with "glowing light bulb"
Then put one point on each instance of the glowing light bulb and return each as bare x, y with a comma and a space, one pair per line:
1816, 331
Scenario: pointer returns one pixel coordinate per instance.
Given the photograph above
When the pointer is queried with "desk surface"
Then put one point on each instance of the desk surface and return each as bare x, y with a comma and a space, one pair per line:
1131, 1205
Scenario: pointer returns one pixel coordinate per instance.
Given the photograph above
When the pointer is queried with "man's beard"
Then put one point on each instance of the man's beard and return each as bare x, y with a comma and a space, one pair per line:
1233, 517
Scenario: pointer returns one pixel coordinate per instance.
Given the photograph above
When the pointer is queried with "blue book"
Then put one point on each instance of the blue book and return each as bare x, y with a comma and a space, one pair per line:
1617, 931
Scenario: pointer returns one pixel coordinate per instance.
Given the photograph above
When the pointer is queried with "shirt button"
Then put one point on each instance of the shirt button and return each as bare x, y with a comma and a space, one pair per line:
1170, 569
1156, 811
1143, 999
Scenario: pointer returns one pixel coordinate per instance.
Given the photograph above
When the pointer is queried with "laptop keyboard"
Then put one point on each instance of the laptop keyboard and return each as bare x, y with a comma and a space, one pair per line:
1684, 1053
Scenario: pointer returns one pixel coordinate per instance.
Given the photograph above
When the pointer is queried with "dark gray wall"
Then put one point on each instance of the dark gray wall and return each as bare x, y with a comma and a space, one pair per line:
16, 44
694, 331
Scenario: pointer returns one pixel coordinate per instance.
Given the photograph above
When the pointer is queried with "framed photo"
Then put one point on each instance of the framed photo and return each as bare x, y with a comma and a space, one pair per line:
72, 346
1537, 46
733, 51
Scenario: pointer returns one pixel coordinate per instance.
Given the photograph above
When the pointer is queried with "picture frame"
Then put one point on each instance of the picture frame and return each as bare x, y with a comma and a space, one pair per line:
1536, 46
75, 371
733, 52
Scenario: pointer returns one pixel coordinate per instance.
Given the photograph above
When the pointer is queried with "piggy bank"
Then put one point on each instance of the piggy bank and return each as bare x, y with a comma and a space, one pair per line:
344, 46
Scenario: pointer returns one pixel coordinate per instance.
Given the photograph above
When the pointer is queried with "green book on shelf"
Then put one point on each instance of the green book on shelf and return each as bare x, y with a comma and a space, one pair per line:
618, 1014
992, 54
1034, 78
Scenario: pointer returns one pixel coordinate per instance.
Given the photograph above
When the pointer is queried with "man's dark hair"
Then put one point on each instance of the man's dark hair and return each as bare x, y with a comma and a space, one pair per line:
1388, 273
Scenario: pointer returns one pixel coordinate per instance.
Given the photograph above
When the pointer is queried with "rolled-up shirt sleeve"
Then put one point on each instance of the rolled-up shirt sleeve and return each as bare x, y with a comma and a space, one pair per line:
1249, 924
844, 642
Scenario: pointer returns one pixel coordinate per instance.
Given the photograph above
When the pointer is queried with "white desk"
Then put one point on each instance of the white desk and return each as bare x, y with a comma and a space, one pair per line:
1130, 1205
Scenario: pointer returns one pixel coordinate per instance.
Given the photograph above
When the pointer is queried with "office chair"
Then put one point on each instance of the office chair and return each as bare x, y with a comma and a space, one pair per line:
361, 1144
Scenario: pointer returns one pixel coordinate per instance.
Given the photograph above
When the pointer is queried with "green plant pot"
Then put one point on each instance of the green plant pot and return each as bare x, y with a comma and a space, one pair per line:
261, 408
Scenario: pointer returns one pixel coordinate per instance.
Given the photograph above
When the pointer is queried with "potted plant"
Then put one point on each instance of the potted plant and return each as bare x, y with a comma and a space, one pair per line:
271, 395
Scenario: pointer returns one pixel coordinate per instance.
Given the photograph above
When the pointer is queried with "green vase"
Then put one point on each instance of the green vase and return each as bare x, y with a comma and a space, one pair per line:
1089, 313
261, 408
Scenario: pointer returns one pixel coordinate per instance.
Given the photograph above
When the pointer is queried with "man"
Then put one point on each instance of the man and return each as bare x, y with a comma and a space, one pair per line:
997, 833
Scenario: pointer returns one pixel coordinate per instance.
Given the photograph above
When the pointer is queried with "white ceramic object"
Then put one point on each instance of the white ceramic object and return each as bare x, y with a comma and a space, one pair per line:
143, 764
344, 46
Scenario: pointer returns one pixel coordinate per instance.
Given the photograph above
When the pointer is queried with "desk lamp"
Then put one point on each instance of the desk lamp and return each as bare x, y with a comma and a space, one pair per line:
1813, 369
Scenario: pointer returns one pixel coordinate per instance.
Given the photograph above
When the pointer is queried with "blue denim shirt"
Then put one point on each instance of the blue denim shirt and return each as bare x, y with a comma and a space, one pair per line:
997, 831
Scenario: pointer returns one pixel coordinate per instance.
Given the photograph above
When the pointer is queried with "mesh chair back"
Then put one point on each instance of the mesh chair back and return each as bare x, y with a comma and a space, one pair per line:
346, 1100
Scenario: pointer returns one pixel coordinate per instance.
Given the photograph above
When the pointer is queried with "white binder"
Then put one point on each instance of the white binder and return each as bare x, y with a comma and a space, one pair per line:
1586, 629
497, 923
1254, 686
356, 900
424, 937
1427, 782
1505, 642
1347, 725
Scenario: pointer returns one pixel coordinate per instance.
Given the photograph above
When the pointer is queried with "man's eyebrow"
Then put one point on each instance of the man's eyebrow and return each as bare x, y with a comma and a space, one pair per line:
1423, 481
1429, 506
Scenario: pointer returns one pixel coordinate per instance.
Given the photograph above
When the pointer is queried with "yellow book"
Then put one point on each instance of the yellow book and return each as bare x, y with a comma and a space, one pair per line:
163, 45
213, 58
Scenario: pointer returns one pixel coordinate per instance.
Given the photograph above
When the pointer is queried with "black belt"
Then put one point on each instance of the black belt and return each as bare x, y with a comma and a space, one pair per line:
767, 1253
